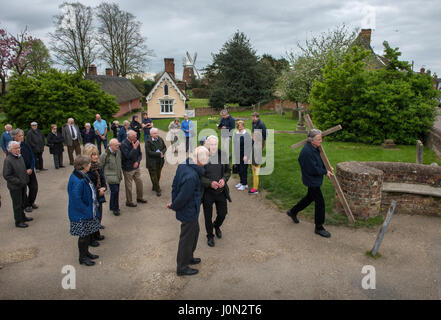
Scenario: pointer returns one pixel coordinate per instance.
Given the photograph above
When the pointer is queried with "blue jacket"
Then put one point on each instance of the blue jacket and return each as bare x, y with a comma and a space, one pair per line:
122, 134
186, 191
228, 122
28, 155
312, 166
260, 125
187, 125
80, 198
6, 138
129, 155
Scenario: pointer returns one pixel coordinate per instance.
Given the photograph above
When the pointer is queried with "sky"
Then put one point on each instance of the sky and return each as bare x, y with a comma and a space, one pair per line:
274, 27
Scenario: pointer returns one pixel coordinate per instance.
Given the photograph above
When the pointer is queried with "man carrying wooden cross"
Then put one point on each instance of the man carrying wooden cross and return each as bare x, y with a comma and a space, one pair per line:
313, 170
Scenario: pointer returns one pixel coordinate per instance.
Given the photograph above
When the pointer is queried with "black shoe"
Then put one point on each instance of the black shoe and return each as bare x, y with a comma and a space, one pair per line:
43, 169
28, 209
210, 242
141, 200
293, 216
102, 227
94, 243
27, 219
195, 261
158, 193
34, 206
87, 261
323, 233
218, 232
92, 256
116, 212
62, 167
57, 168
21, 225
129, 204
187, 272
100, 237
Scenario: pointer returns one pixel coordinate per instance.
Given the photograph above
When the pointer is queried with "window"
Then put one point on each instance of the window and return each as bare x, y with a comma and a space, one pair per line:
166, 106
166, 90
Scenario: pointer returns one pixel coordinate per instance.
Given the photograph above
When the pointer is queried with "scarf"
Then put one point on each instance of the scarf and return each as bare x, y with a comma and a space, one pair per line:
95, 166
93, 190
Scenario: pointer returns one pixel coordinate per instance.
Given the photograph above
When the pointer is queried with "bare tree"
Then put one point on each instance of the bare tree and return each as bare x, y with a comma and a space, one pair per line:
73, 41
119, 34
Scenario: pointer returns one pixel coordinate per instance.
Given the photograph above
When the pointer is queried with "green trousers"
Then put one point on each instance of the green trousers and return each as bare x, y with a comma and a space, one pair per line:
155, 176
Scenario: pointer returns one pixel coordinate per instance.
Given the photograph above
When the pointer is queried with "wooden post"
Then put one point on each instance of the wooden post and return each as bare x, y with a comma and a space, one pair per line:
383, 229
334, 180
419, 152
324, 133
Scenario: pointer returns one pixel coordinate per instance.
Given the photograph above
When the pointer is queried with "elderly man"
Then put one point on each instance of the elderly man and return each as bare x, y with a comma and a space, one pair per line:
6, 138
111, 162
28, 157
154, 152
14, 172
122, 134
131, 157
36, 140
100, 126
227, 121
72, 139
186, 201
313, 171
215, 189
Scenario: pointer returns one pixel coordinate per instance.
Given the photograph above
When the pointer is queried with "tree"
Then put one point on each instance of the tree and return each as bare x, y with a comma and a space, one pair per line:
52, 97
123, 46
73, 41
39, 58
237, 74
373, 105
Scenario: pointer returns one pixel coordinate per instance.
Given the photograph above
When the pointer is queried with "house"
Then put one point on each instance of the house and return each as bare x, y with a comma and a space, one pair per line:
373, 60
126, 94
167, 98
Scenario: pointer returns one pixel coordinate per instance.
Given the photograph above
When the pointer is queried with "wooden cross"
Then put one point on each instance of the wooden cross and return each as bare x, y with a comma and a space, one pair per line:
327, 164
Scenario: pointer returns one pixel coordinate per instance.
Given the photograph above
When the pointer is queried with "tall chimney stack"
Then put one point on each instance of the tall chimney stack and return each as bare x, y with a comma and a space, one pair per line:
92, 70
366, 35
109, 72
170, 66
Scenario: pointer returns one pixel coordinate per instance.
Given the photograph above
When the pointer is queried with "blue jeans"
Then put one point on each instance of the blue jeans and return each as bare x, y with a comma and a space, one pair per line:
99, 141
114, 197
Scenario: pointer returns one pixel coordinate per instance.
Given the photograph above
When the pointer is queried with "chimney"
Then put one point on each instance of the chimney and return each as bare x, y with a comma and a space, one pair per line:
170, 66
109, 72
366, 35
115, 73
92, 70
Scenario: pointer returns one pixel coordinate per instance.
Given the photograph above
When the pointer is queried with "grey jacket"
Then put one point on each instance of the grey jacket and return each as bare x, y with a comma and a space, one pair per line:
67, 135
112, 166
14, 172
36, 140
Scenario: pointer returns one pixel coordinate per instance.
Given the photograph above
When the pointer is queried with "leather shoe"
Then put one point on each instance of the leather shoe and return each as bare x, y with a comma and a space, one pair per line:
323, 233
92, 256
99, 238
158, 193
102, 227
187, 272
141, 200
21, 225
218, 232
129, 204
94, 243
43, 169
116, 212
293, 216
28, 209
195, 261
34, 206
27, 219
87, 261
210, 242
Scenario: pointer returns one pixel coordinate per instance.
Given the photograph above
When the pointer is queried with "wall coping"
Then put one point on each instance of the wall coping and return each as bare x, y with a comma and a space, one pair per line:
419, 189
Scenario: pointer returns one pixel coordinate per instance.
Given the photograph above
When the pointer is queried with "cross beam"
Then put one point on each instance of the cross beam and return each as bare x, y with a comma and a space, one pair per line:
328, 167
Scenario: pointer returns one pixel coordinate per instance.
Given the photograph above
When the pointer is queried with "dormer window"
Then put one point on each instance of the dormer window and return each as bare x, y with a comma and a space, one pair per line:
166, 89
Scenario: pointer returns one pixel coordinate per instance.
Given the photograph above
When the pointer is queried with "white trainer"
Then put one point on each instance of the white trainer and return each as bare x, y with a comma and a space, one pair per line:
238, 185
241, 188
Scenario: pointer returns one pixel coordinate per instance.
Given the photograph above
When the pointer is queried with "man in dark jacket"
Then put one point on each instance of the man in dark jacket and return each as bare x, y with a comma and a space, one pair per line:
313, 171
227, 122
88, 135
186, 201
131, 157
36, 140
215, 188
155, 152
28, 157
14, 172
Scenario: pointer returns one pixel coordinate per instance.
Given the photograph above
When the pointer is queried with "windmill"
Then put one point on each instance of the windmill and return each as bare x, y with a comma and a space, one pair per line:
189, 67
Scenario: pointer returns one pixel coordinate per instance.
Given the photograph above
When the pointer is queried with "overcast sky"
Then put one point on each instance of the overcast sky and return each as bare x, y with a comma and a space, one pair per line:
173, 27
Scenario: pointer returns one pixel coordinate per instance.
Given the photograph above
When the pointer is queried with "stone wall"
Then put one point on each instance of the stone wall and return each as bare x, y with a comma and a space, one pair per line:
362, 184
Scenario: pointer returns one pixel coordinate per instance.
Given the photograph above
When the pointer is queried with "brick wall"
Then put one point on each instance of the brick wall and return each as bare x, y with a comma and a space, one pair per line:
126, 107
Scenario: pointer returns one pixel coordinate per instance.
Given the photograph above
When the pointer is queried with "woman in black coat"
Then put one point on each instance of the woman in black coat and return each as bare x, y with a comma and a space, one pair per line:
55, 142
96, 175
88, 134
242, 153
136, 126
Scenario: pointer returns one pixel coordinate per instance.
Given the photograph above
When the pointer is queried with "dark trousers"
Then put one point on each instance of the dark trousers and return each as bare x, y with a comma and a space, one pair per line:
243, 173
155, 175
187, 143
33, 190
314, 194
114, 197
58, 159
75, 146
188, 241
219, 199
38, 160
99, 141
83, 246
18, 197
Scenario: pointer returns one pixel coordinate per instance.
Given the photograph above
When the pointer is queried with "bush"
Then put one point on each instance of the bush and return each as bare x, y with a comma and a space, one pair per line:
200, 93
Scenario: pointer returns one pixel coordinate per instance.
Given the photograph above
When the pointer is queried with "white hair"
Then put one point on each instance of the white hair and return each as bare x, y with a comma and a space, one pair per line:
154, 130
212, 137
313, 133
201, 154
87, 124
11, 144
131, 133
126, 122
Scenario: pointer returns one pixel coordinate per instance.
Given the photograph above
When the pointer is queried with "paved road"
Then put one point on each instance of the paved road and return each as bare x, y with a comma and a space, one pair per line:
262, 255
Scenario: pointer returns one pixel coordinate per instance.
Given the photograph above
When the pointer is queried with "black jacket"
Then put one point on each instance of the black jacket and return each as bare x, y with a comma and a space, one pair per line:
228, 122
129, 155
226, 174
14, 172
242, 146
115, 130
28, 155
55, 143
260, 125
88, 137
186, 191
136, 126
312, 166
153, 159
36, 140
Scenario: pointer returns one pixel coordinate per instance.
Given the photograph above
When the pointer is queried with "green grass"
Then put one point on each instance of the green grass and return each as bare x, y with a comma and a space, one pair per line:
198, 103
